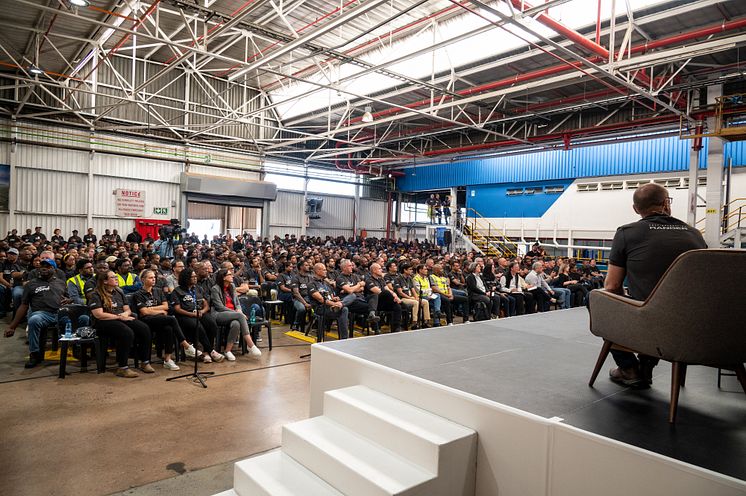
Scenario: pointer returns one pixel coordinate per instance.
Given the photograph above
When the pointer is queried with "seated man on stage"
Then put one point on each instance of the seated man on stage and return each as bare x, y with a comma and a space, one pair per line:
326, 304
642, 252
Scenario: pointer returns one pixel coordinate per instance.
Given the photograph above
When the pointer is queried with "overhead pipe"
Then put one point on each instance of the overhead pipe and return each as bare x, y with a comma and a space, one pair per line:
528, 76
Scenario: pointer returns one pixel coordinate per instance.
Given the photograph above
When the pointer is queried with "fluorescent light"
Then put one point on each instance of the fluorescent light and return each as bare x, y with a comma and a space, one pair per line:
35, 70
367, 116
79, 3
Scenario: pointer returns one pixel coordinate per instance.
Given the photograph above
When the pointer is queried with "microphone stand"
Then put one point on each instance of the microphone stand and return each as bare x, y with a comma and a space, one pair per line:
195, 374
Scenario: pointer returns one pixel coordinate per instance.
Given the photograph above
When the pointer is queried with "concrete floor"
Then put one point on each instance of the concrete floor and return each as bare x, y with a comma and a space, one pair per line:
96, 434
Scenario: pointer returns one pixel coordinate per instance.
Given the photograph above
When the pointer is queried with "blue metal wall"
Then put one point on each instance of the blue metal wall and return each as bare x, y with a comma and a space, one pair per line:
492, 200
633, 157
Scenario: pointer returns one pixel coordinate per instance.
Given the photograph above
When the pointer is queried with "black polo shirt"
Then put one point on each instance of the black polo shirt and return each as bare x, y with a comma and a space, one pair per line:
346, 280
319, 286
89, 238
154, 298
373, 282
404, 283
45, 296
117, 301
302, 282
286, 280
647, 248
185, 299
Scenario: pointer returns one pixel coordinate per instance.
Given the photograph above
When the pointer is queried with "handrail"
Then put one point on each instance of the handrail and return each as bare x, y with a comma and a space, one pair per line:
722, 209
506, 241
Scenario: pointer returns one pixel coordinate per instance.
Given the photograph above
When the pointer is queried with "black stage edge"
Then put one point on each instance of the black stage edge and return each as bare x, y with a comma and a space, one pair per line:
541, 364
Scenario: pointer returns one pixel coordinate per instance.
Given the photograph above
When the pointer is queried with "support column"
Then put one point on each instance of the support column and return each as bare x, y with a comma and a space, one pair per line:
356, 208
89, 182
304, 219
714, 194
397, 234
691, 212
265, 219
454, 205
12, 193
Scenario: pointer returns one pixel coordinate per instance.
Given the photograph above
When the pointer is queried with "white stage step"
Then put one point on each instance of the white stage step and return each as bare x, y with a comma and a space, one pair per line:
413, 433
350, 462
366, 443
276, 474
229, 492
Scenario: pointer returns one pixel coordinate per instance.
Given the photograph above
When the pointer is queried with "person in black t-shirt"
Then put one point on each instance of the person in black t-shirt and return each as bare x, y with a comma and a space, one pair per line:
57, 237
380, 297
13, 237
642, 252
134, 236
89, 237
114, 319
326, 303
74, 239
192, 309
152, 307
44, 296
350, 288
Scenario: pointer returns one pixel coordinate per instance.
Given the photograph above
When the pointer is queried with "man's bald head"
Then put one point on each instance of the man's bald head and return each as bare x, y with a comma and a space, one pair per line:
651, 198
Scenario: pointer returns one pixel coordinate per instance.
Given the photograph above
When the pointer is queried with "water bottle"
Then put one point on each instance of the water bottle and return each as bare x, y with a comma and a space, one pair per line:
68, 330
252, 315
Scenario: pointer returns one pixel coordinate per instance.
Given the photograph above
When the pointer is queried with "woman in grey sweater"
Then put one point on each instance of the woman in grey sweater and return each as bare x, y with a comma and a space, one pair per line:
227, 310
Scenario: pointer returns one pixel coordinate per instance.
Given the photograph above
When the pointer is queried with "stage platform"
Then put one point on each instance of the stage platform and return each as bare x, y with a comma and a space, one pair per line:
531, 372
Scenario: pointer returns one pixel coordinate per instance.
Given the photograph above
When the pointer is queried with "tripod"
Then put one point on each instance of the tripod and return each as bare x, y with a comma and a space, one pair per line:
196, 373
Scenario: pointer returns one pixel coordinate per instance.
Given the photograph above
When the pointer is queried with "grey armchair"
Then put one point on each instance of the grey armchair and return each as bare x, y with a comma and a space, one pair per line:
694, 316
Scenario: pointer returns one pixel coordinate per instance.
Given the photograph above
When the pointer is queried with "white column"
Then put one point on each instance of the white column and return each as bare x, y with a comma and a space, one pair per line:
691, 212
356, 208
454, 205
304, 219
714, 194
12, 195
89, 183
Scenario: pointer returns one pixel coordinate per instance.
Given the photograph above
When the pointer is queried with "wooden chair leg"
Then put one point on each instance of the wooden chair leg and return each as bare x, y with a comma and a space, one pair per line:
741, 374
600, 362
683, 375
675, 387
720, 376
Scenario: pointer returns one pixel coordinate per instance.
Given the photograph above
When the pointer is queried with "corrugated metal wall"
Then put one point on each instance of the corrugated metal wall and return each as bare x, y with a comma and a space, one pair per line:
634, 157
205, 211
287, 214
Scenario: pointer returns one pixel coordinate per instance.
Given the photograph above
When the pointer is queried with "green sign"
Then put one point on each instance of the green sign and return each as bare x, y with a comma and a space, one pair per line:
160, 210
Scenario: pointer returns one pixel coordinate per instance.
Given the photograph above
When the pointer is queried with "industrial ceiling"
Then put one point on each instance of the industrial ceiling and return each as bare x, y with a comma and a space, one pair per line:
369, 85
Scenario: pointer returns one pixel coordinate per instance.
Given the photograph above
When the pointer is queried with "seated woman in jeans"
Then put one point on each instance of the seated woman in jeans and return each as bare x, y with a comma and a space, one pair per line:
115, 321
152, 306
228, 312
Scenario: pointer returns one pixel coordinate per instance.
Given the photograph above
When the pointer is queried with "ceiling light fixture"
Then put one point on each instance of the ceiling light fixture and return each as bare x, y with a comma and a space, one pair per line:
35, 70
367, 116
79, 3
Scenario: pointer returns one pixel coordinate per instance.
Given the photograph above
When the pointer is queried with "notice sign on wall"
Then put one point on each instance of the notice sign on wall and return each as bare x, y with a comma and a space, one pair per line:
130, 203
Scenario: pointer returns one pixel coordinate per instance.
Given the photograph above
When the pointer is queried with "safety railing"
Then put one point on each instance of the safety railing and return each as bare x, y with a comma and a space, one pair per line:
487, 236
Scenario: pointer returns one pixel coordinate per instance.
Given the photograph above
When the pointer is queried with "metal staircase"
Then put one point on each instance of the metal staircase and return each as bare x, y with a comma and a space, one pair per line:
733, 224
489, 239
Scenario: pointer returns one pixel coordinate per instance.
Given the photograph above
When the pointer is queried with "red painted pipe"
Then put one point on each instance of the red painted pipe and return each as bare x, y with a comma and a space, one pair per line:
556, 69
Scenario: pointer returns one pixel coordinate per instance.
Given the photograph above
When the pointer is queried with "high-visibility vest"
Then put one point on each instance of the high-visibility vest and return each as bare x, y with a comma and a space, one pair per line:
79, 282
126, 282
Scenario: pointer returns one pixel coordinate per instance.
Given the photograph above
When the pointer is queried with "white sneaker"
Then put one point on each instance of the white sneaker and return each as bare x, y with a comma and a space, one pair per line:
190, 351
230, 356
216, 357
206, 358
170, 365
255, 352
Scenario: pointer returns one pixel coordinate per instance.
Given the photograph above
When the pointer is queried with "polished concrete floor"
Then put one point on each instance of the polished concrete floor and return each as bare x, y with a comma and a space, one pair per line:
96, 434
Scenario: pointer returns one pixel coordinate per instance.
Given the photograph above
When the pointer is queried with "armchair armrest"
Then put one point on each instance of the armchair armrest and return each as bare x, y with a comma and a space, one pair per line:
616, 318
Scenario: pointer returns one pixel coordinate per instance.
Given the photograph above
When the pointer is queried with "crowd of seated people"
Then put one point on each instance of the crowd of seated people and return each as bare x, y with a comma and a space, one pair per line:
133, 294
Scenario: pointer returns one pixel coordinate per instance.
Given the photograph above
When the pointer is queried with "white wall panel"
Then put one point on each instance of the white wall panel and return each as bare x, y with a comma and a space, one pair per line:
336, 213
137, 168
49, 223
46, 158
287, 210
156, 195
372, 215
50, 192
123, 226
223, 172
281, 231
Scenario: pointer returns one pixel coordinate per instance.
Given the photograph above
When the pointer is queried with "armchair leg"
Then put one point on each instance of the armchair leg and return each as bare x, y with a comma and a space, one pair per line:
683, 375
600, 362
741, 374
676, 373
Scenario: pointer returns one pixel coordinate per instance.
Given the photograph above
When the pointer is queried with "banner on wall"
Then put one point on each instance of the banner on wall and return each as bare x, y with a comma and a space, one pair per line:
130, 203
4, 187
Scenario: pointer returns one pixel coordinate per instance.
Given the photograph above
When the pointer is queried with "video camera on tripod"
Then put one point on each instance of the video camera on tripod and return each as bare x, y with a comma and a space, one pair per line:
171, 231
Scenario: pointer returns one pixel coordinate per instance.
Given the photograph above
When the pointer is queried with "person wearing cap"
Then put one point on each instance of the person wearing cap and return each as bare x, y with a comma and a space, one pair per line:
76, 283
74, 239
57, 237
47, 255
13, 237
111, 260
43, 296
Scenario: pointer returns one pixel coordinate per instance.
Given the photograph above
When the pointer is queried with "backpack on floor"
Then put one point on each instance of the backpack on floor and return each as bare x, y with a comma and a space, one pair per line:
480, 312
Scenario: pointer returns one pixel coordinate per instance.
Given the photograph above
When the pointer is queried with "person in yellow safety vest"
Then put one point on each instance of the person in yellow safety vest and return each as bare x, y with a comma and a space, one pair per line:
128, 282
76, 284
423, 289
